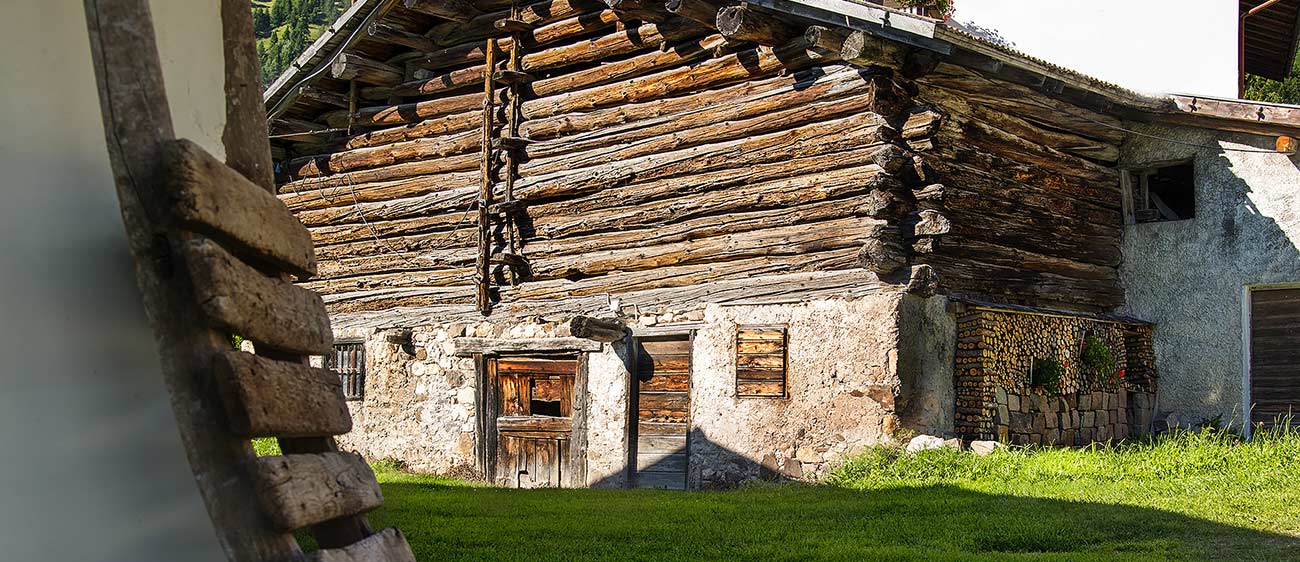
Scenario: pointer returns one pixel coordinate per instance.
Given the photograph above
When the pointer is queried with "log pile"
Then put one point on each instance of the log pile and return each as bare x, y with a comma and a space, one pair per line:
659, 146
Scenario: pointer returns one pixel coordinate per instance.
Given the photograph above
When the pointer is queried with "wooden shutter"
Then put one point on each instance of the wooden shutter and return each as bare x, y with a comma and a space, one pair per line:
761, 362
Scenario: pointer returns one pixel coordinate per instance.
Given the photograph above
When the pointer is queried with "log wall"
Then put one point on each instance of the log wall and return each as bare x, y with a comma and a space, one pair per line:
662, 153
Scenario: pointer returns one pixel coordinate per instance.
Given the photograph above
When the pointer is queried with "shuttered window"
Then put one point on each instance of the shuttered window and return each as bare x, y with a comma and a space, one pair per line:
761, 361
349, 361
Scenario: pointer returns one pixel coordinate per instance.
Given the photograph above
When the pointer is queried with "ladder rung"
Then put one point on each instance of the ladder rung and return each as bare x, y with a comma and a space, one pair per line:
510, 143
512, 77
512, 260
511, 25
505, 207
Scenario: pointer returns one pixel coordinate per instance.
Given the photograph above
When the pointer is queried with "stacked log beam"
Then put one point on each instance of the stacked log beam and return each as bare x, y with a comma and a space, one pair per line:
708, 143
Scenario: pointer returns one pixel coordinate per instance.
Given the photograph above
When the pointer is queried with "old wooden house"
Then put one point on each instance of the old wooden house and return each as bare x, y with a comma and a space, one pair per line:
685, 244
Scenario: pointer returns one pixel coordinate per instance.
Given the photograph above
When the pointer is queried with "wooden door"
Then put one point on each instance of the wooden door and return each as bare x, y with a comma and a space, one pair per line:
534, 421
662, 412
1274, 354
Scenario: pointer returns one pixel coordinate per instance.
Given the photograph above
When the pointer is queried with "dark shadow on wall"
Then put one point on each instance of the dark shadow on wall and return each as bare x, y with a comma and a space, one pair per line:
800, 522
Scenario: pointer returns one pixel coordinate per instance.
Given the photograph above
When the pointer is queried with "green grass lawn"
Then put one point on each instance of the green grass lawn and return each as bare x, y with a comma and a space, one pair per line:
1194, 497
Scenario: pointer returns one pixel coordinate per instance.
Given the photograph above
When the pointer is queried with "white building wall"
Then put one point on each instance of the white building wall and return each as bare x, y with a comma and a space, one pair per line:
1152, 46
1189, 277
93, 465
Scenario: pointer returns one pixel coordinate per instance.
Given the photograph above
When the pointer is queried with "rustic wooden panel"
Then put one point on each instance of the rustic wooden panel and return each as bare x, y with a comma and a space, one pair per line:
671, 407
241, 300
513, 396
302, 490
663, 363
388, 545
761, 361
666, 444
666, 347
215, 200
268, 398
526, 462
663, 412
765, 389
548, 389
1274, 354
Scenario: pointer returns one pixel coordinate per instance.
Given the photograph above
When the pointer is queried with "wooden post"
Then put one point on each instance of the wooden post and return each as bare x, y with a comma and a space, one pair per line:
485, 189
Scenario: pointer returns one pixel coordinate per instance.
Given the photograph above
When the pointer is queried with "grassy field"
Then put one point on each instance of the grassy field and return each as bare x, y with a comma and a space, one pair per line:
1194, 497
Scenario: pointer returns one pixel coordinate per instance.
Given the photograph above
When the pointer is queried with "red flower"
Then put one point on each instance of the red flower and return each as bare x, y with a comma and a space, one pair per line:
1120, 373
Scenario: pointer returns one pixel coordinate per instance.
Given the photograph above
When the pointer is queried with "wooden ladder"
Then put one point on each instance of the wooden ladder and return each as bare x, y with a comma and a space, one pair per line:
506, 149
215, 255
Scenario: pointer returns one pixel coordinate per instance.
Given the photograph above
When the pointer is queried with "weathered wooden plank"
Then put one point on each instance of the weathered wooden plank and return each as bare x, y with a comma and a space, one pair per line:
760, 346
760, 375
455, 10
537, 366
302, 490
661, 428
661, 462
760, 334
269, 398
776, 361
666, 382
598, 329
217, 201
508, 424
268, 311
663, 363
760, 389
666, 444
489, 346
350, 66
388, 545
660, 480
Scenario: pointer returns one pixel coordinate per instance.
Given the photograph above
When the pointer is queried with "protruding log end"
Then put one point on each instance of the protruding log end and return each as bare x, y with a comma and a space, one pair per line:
702, 11
891, 158
459, 11
744, 23
884, 252
598, 329
864, 49
923, 281
825, 40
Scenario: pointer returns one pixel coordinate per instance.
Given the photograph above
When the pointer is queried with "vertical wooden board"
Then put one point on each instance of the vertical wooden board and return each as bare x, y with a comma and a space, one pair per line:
566, 395
1274, 354
510, 392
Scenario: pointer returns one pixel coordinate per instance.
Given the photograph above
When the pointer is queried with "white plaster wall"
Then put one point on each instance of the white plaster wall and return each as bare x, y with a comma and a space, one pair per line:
1153, 46
1188, 277
608, 385
193, 60
93, 465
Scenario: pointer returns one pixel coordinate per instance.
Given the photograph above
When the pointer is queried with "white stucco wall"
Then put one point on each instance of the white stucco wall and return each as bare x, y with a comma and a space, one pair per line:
1188, 277
1154, 46
93, 465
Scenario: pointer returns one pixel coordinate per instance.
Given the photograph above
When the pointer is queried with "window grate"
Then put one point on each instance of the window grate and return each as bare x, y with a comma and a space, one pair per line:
349, 361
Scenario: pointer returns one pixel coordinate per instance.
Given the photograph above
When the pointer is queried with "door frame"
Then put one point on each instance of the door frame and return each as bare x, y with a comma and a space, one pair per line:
634, 395
1247, 292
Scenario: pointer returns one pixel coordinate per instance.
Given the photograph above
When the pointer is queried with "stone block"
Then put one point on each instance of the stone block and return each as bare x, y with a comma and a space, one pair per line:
1123, 398
1004, 434
1020, 438
984, 448
1053, 436
769, 468
1074, 419
1001, 395
1013, 403
1039, 402
1085, 401
1036, 439
1114, 416
792, 469
807, 454
1103, 433
1089, 420
1002, 415
1040, 424
1071, 401
1067, 437
1021, 422
1051, 421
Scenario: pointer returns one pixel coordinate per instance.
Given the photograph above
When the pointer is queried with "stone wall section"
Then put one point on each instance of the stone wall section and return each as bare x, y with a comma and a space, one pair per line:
995, 349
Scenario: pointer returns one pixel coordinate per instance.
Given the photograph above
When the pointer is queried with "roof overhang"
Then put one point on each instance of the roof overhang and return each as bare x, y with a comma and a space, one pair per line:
1269, 38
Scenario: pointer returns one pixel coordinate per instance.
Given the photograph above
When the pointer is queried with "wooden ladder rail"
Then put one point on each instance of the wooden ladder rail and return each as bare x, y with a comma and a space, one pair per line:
212, 238
484, 273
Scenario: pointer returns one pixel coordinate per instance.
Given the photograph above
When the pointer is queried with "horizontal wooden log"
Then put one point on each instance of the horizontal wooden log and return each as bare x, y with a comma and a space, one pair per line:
825, 40
866, 49
458, 11
747, 23
323, 96
268, 311
636, 66
455, 80
598, 329
489, 346
298, 491
215, 200
392, 35
537, 14
269, 398
702, 11
388, 545
349, 66
619, 43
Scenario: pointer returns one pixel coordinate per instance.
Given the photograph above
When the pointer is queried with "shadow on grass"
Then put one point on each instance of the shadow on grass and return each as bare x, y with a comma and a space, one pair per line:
799, 522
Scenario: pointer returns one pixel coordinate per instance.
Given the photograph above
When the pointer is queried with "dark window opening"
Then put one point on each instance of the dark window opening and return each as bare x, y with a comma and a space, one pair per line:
1163, 193
546, 396
349, 361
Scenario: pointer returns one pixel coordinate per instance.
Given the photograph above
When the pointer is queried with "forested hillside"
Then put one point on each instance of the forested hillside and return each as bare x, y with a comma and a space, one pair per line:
285, 28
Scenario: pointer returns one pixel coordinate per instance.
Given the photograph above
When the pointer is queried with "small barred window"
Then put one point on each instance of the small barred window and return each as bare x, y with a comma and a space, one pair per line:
349, 361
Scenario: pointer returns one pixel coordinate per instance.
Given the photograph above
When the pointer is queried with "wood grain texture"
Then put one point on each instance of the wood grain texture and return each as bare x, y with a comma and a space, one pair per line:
269, 398
217, 201
388, 545
305, 489
241, 300
470, 346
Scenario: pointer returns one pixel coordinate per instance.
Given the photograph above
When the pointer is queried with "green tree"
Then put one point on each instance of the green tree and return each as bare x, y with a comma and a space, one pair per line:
261, 23
280, 12
1275, 91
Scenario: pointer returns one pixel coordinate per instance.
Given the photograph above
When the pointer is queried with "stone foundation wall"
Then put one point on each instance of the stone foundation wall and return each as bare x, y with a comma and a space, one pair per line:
995, 400
849, 388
